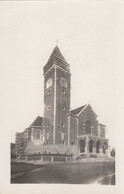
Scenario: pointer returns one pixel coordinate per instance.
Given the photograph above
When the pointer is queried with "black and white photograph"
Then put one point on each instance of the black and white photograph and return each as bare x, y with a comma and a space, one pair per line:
61, 66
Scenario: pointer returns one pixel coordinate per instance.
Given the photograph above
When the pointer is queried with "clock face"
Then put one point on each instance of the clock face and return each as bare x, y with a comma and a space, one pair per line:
49, 83
63, 82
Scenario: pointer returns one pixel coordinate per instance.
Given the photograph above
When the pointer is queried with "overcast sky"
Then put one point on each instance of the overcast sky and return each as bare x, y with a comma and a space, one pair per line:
89, 39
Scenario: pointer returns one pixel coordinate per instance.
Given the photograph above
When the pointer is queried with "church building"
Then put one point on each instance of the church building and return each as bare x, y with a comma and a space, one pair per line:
62, 130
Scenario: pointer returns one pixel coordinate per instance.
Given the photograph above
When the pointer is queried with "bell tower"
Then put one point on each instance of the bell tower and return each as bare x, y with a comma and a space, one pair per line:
56, 98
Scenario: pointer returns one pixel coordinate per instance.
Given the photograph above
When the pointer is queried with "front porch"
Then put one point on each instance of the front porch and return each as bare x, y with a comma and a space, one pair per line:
91, 145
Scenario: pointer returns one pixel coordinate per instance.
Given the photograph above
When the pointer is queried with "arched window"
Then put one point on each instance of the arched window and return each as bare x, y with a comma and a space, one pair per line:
37, 135
91, 146
62, 142
29, 134
88, 127
63, 108
22, 144
49, 83
48, 108
82, 146
97, 146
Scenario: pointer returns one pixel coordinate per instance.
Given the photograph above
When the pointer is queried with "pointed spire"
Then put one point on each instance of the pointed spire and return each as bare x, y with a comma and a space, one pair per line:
56, 53
58, 59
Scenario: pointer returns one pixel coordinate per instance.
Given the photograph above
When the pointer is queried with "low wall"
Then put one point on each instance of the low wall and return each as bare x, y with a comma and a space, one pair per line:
46, 157
52, 149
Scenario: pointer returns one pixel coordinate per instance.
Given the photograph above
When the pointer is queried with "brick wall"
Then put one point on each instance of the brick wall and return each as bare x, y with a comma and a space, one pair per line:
102, 131
73, 130
51, 149
63, 101
86, 115
49, 101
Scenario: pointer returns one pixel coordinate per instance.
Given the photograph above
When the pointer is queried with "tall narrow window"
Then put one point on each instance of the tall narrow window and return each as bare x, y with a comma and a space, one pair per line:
63, 108
92, 130
63, 125
22, 144
91, 146
88, 127
29, 134
25, 143
37, 135
62, 136
62, 142
104, 148
48, 92
47, 136
97, 147
49, 83
82, 146
63, 91
48, 108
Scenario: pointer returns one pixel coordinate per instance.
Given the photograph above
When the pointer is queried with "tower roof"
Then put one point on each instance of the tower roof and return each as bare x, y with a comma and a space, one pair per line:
57, 59
56, 53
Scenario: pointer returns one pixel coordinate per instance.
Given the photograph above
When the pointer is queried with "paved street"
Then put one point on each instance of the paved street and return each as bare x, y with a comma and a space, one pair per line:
71, 173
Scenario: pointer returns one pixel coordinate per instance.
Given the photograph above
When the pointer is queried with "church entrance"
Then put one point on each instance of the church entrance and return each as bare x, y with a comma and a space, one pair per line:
82, 146
91, 146
97, 147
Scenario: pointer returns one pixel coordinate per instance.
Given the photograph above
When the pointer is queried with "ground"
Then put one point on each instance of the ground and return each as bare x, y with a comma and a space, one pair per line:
70, 173
22, 167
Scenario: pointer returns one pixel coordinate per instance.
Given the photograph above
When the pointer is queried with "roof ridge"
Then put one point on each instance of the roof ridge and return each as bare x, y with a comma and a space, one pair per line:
77, 110
37, 122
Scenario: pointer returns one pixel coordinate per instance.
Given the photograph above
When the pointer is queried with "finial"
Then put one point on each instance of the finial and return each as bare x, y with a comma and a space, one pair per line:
57, 42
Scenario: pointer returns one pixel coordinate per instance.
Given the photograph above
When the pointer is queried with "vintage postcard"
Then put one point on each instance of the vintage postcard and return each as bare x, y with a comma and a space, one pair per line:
61, 118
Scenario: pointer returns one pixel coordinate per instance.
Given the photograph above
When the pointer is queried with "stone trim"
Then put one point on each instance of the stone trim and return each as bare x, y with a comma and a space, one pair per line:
92, 136
68, 130
77, 129
58, 67
54, 120
82, 110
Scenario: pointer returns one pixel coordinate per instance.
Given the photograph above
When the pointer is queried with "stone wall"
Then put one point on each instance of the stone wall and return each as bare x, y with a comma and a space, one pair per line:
51, 149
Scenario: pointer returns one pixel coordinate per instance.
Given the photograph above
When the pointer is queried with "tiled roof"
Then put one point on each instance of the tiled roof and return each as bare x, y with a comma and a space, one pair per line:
37, 122
56, 53
77, 110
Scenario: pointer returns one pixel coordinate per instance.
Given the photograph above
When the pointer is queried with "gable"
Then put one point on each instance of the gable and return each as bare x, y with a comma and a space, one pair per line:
37, 122
88, 122
78, 110
88, 113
